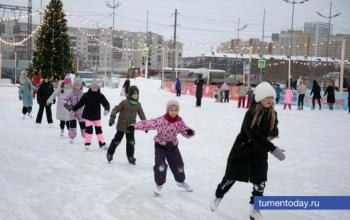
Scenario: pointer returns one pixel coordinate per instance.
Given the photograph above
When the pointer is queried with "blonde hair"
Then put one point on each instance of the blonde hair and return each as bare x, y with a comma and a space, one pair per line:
257, 115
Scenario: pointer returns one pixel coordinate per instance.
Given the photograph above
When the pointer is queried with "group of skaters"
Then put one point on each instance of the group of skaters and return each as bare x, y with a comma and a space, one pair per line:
247, 160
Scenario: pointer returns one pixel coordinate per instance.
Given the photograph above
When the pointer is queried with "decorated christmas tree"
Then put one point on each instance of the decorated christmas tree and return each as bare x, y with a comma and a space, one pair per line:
52, 55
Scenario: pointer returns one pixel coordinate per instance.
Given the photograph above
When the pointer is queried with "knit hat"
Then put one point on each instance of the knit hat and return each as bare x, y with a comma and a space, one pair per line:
77, 81
67, 80
94, 84
264, 90
172, 103
132, 90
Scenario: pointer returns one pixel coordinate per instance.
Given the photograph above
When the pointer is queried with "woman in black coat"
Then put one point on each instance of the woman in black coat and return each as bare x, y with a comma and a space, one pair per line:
316, 91
330, 95
199, 90
247, 161
44, 92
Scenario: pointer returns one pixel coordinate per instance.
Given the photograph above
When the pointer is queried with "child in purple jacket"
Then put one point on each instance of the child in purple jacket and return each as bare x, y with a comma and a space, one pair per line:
166, 145
69, 101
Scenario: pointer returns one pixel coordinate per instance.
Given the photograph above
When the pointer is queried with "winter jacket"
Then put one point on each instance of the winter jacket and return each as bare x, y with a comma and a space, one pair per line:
178, 84
288, 96
127, 114
36, 79
316, 91
241, 90
25, 93
62, 113
72, 99
199, 89
249, 154
166, 131
92, 102
330, 94
45, 90
301, 89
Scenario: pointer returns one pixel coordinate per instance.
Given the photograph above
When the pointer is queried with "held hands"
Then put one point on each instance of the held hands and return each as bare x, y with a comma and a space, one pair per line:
279, 153
68, 107
189, 132
105, 113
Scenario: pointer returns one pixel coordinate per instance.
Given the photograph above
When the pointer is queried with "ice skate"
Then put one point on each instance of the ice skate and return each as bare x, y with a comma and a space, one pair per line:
185, 186
157, 190
24, 116
215, 203
254, 214
87, 146
30, 115
132, 160
102, 146
71, 141
61, 133
109, 157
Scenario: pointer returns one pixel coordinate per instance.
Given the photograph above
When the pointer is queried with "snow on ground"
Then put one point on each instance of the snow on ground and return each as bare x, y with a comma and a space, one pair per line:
42, 176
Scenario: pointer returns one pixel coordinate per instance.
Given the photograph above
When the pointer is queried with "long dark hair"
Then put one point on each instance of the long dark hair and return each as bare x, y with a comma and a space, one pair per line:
257, 109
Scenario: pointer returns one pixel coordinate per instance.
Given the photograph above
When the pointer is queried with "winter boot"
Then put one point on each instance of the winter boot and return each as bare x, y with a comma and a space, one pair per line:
185, 186
71, 141
30, 115
254, 214
87, 145
215, 203
157, 190
109, 157
102, 145
132, 160
62, 131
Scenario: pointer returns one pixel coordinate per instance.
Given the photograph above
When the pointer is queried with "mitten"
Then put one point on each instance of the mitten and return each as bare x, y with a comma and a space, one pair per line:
20, 98
111, 122
278, 153
53, 101
105, 113
189, 132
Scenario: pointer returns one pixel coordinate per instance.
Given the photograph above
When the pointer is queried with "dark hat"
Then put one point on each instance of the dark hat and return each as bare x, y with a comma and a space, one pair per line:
132, 90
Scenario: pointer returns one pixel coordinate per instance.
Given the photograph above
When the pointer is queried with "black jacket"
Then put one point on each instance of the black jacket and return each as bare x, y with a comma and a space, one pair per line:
92, 102
44, 92
248, 157
330, 94
316, 90
199, 89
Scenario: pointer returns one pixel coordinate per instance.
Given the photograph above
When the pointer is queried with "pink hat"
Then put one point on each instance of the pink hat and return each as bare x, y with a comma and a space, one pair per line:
67, 80
172, 103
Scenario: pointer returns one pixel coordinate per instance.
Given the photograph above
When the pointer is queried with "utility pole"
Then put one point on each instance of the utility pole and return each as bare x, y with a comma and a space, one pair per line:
263, 32
238, 29
29, 43
174, 44
330, 16
113, 6
147, 45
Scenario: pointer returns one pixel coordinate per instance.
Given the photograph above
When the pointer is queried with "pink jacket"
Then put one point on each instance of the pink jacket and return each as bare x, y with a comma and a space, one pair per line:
166, 131
288, 96
73, 98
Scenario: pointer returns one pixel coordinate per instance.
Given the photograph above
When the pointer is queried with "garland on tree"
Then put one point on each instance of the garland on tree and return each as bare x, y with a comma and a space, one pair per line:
52, 55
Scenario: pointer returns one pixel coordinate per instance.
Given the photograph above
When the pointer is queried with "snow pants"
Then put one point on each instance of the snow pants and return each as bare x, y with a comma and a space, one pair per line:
98, 131
172, 154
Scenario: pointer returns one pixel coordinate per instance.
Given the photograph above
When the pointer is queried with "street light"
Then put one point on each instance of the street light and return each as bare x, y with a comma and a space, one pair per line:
330, 16
113, 6
238, 30
291, 34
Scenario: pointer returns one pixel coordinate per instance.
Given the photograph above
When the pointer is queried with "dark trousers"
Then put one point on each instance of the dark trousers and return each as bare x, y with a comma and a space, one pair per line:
241, 101
330, 105
301, 101
130, 143
48, 113
172, 154
62, 123
198, 101
228, 181
26, 110
178, 92
226, 94
313, 102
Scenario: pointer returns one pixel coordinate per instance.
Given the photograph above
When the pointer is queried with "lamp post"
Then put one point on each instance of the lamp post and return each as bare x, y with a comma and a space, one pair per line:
291, 36
238, 30
330, 16
113, 6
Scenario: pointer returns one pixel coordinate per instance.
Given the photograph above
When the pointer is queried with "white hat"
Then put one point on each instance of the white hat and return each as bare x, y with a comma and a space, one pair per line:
264, 90
94, 84
172, 103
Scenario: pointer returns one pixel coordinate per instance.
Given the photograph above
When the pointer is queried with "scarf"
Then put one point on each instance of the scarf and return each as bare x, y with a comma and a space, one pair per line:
170, 119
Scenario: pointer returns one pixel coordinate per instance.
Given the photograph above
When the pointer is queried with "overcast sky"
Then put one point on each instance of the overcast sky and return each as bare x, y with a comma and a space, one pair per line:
204, 23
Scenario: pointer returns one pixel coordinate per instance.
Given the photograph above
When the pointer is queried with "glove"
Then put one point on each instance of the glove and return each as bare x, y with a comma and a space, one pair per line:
111, 122
68, 107
20, 98
48, 103
105, 113
189, 132
131, 128
278, 153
